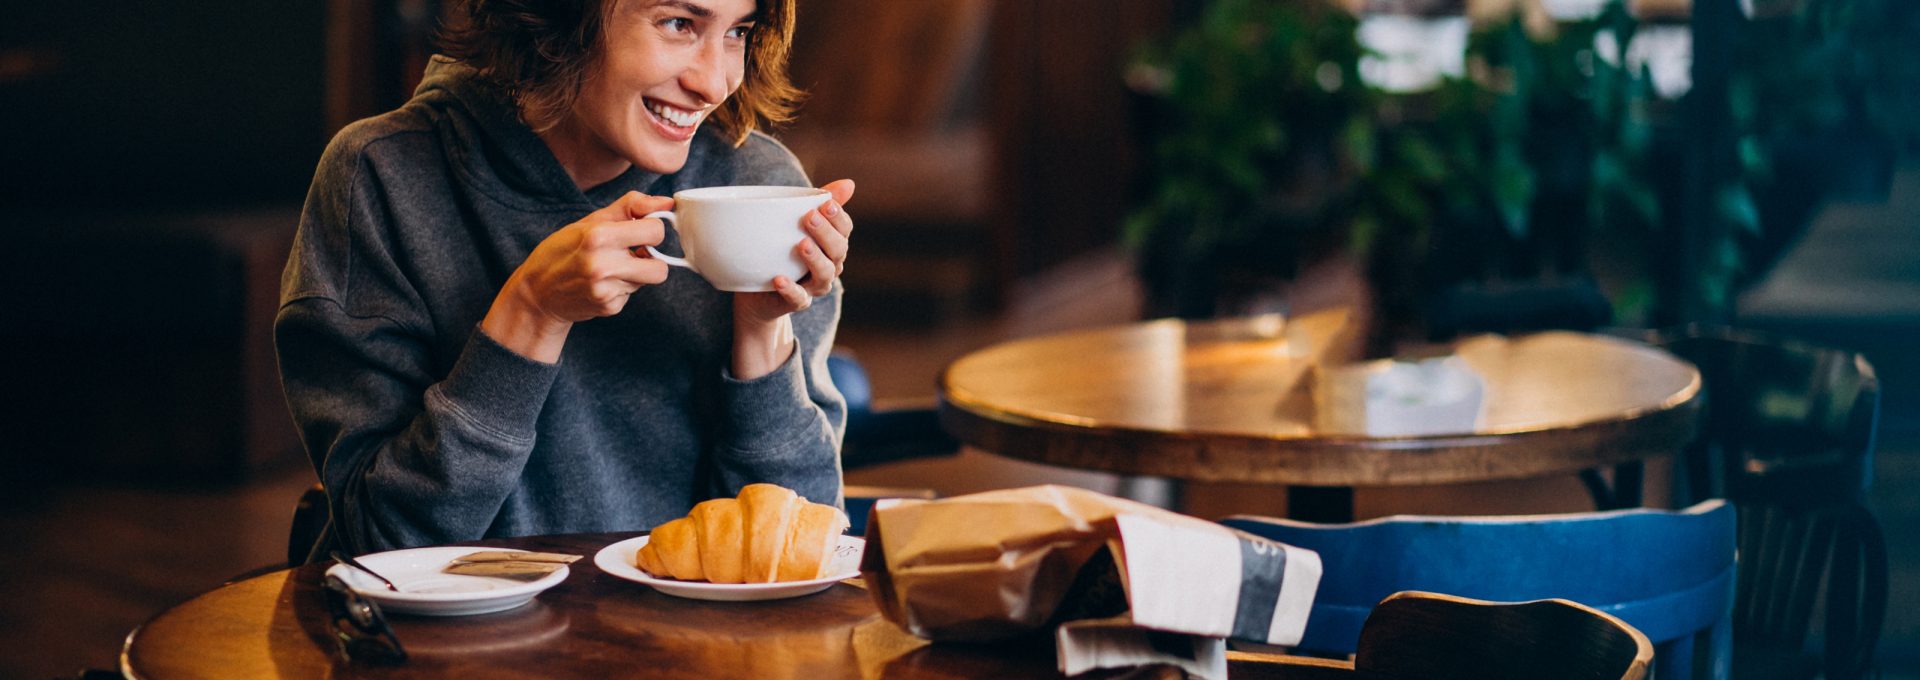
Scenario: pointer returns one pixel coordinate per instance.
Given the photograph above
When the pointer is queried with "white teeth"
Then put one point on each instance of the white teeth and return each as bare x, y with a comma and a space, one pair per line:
675, 116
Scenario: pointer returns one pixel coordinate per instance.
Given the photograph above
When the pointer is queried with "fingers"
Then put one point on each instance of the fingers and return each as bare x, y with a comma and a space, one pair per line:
821, 269
626, 236
611, 277
797, 297
834, 210
830, 238
841, 190
629, 206
828, 230
625, 270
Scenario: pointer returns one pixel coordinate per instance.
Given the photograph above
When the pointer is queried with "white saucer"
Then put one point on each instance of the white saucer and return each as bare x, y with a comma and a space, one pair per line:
617, 560
426, 590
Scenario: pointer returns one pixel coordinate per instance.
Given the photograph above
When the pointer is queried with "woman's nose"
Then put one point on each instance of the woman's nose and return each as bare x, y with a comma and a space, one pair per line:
709, 76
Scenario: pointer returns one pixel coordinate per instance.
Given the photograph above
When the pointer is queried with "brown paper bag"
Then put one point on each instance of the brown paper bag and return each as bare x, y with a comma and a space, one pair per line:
1005, 563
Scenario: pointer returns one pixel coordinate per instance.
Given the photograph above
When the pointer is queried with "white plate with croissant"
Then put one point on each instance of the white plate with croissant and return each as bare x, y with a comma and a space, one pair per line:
767, 544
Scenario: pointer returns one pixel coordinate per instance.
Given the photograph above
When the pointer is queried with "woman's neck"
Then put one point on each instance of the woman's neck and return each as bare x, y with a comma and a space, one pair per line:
586, 159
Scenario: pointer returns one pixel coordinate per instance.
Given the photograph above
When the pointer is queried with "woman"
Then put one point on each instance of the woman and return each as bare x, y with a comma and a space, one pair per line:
471, 336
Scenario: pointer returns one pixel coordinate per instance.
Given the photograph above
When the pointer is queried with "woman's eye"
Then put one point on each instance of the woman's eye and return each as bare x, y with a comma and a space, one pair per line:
677, 24
740, 32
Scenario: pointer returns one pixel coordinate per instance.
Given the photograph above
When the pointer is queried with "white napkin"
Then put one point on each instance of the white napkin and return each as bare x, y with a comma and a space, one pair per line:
1392, 398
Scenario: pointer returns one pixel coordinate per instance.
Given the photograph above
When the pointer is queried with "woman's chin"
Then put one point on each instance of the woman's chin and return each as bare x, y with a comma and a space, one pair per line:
660, 161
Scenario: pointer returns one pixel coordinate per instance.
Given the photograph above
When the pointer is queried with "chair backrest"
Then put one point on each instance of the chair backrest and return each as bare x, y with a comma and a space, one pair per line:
883, 434
1793, 557
1789, 439
1442, 637
1668, 573
1786, 422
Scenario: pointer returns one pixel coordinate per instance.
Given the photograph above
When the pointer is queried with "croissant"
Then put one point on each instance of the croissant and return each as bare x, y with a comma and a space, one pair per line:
767, 534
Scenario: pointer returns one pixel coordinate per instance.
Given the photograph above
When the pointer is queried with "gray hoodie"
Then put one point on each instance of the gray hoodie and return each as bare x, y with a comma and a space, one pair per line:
424, 430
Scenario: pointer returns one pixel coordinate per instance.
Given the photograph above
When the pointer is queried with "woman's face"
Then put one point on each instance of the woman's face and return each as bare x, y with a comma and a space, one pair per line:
666, 64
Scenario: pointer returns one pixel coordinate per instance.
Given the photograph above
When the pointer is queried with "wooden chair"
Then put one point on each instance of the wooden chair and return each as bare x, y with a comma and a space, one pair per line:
1670, 574
1787, 422
1442, 637
1789, 439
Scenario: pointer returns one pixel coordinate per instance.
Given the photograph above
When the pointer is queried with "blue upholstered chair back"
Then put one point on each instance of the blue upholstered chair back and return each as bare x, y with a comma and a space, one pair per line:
1668, 573
878, 435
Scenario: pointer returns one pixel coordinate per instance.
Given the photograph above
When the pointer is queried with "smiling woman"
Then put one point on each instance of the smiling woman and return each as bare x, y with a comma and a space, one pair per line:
540, 50
473, 337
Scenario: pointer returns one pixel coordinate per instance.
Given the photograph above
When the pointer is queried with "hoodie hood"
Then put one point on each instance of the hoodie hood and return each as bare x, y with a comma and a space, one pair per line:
499, 153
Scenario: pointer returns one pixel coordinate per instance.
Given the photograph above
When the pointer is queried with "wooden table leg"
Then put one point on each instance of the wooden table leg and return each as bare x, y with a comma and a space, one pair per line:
1629, 479
1625, 491
1320, 504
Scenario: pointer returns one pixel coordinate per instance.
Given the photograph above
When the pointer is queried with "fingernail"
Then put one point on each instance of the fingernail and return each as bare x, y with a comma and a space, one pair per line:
817, 222
832, 207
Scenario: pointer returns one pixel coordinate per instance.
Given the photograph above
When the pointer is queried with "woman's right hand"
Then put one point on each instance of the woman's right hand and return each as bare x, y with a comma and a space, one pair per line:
585, 270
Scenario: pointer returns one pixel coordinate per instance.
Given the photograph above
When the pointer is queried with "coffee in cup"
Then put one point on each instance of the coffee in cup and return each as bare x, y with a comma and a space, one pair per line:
740, 237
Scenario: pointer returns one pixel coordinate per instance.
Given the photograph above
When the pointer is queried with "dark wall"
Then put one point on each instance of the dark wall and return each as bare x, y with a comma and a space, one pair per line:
160, 103
139, 279
1061, 106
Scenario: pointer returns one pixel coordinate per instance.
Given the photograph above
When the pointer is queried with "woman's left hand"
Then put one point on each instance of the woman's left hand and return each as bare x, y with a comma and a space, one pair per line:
762, 331
825, 253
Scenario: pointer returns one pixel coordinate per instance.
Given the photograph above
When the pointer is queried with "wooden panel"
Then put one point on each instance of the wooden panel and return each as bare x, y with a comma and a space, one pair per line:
1032, 89
1060, 110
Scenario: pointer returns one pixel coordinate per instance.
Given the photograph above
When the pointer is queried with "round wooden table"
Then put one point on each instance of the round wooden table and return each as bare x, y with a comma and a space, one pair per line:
590, 626
1232, 401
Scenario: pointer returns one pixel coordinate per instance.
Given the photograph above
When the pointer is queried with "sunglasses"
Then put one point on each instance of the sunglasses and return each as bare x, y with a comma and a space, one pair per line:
358, 627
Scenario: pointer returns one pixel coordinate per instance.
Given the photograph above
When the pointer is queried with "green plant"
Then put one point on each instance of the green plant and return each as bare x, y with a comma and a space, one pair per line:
1250, 106
1508, 173
1551, 158
1269, 150
1820, 99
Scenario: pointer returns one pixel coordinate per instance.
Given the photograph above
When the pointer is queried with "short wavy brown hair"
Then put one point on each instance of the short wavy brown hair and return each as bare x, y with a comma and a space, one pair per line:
542, 51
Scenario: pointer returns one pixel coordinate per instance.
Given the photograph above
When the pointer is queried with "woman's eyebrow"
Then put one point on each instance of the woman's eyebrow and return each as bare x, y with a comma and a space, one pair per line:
688, 7
698, 11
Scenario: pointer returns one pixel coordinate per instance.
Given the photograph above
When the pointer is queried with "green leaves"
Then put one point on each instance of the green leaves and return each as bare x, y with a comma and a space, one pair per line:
1266, 142
1245, 113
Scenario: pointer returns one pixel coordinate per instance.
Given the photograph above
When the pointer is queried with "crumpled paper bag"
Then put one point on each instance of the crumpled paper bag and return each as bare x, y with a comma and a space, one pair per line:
1121, 583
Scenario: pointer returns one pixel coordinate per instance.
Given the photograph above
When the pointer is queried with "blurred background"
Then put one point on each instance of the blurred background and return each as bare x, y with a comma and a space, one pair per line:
1024, 167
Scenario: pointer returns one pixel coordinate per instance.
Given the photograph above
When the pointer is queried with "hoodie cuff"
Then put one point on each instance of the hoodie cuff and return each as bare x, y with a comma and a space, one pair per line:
496, 389
769, 413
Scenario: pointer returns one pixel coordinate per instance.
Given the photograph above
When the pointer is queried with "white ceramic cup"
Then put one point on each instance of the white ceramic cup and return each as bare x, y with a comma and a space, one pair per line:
740, 238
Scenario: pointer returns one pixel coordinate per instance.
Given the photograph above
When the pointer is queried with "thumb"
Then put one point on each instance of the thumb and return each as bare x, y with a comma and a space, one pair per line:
841, 190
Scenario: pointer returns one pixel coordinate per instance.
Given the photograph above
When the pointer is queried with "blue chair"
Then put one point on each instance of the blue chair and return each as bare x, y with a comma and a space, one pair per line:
1669, 574
884, 434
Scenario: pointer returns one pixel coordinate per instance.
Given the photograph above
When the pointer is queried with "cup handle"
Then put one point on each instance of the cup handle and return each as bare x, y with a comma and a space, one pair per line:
666, 216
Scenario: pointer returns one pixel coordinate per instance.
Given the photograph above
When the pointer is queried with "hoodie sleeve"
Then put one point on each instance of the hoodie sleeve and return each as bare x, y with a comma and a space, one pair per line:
407, 457
786, 426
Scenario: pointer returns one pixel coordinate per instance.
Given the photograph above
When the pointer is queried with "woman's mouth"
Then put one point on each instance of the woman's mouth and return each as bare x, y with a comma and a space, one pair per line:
675, 122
